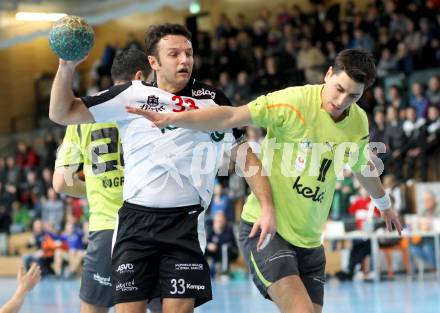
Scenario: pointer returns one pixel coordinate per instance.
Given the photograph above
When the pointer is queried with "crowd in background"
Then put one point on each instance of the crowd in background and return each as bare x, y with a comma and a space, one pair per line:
284, 46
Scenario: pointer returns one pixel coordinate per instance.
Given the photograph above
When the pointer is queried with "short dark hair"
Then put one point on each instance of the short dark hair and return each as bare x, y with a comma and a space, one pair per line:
127, 63
358, 64
157, 32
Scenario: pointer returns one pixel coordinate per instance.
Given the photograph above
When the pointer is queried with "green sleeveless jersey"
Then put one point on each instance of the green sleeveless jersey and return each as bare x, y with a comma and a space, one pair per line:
98, 149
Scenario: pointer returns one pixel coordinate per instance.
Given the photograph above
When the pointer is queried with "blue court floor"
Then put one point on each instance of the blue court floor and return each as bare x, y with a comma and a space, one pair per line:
404, 295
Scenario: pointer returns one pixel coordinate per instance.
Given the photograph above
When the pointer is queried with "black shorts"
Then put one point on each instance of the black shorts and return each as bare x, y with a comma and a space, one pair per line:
159, 253
281, 259
96, 286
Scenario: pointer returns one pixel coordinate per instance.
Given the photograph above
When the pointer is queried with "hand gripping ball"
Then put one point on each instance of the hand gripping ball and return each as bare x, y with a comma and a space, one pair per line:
71, 38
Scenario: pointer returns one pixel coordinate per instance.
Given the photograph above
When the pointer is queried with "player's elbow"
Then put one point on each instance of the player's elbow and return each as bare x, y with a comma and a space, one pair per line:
59, 183
56, 118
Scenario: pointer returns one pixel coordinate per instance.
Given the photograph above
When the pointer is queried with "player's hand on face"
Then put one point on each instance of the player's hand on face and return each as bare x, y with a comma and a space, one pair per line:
266, 222
161, 120
392, 220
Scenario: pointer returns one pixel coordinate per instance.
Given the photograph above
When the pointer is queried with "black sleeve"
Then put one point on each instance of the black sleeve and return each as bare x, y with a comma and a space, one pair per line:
105, 95
239, 133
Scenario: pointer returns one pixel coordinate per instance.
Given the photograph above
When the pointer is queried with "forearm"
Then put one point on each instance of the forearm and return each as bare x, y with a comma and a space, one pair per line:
213, 118
64, 181
14, 304
77, 189
61, 96
258, 182
372, 185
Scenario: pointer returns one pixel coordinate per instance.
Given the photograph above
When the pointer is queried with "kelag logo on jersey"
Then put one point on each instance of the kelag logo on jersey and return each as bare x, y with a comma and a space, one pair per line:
308, 192
152, 103
203, 92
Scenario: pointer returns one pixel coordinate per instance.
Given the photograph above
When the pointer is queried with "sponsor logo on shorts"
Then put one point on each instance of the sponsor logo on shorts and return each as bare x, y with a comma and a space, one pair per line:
319, 280
188, 267
281, 254
194, 287
127, 286
102, 280
125, 268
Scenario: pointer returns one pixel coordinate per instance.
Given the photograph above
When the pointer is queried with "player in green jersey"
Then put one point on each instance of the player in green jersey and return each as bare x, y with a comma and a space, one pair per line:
97, 148
313, 131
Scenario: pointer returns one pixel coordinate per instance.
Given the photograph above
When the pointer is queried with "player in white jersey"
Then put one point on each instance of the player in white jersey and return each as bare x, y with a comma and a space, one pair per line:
169, 176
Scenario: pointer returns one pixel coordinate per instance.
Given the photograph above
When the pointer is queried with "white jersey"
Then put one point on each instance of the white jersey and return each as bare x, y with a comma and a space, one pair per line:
167, 167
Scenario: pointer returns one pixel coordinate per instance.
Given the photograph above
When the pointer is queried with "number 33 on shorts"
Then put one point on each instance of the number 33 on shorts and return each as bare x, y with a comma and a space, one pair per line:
178, 286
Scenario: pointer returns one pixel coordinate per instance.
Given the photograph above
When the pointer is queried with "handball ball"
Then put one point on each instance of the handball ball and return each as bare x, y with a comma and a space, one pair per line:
71, 38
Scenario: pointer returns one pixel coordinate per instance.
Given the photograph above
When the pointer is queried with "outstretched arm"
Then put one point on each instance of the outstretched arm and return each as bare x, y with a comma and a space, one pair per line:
64, 108
206, 119
375, 188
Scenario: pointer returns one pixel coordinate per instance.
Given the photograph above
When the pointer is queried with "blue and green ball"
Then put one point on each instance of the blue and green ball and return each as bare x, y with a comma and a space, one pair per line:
71, 38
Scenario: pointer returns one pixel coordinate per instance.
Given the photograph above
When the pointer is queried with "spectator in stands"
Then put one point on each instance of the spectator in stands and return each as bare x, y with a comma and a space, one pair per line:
221, 203
52, 209
363, 212
5, 223
412, 37
423, 247
9, 195
395, 140
287, 58
50, 149
362, 40
13, 173
75, 253
26, 282
243, 90
377, 128
413, 123
53, 241
226, 85
387, 64
132, 43
2, 172
344, 190
21, 217
225, 29
433, 92
243, 25
418, 99
405, 60
310, 60
235, 63
26, 157
36, 242
46, 175
395, 98
221, 248
31, 190
259, 61
414, 131
428, 142
272, 78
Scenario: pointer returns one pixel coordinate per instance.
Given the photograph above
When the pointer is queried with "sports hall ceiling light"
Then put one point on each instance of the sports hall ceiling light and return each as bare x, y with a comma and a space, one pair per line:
36, 16
194, 7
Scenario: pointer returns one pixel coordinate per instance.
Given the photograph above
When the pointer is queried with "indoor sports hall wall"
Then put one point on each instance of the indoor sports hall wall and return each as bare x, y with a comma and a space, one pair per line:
21, 63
